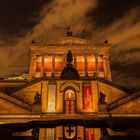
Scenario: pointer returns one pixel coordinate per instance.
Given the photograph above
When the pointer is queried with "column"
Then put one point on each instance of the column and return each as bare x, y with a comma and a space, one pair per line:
32, 67
105, 67
53, 65
96, 64
42, 66
108, 68
86, 68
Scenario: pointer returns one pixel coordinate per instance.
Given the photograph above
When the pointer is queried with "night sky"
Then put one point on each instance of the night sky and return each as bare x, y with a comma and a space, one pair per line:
118, 21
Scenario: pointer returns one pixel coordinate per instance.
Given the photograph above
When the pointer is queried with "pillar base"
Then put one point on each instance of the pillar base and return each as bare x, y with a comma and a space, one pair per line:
103, 108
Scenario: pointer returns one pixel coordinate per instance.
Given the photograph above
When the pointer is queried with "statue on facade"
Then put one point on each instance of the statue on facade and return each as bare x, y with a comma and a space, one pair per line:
106, 41
37, 98
68, 32
69, 72
69, 57
102, 104
37, 106
102, 98
33, 42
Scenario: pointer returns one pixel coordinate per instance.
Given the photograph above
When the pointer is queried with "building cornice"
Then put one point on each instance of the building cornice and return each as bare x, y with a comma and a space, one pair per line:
76, 45
15, 101
123, 100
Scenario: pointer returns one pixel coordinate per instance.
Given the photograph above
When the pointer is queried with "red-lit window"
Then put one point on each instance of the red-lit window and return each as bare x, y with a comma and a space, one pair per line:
100, 64
91, 65
38, 64
58, 64
80, 64
48, 64
87, 97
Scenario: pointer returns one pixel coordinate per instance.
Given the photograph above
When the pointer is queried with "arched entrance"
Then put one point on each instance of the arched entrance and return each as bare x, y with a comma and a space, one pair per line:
69, 101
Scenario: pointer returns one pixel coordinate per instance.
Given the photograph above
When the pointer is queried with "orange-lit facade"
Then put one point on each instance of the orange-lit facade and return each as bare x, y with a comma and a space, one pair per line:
52, 108
89, 60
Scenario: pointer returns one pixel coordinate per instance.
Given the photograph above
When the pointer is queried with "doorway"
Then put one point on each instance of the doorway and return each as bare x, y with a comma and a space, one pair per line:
69, 101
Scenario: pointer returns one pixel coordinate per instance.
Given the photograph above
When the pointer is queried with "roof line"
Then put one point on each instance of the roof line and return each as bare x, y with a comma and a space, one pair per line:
15, 101
123, 100
74, 38
81, 78
26, 85
115, 85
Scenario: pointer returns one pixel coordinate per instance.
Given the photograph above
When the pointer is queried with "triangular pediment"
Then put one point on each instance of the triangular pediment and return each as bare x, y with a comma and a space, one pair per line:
71, 41
76, 45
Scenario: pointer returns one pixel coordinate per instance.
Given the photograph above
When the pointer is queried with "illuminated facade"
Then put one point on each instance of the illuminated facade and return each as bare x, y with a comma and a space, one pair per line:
69, 95
89, 59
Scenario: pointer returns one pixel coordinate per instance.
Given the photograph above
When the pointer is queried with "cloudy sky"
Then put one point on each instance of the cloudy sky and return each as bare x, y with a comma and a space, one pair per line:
118, 21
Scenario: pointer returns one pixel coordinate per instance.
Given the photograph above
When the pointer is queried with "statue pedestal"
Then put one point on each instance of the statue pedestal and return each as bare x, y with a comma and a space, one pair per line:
37, 105
36, 108
103, 108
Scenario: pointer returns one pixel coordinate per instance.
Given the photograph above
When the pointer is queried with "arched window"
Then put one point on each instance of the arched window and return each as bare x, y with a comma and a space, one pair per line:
69, 101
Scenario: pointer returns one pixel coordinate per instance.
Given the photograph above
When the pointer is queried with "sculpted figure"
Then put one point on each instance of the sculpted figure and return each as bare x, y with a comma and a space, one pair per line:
69, 57
102, 98
37, 98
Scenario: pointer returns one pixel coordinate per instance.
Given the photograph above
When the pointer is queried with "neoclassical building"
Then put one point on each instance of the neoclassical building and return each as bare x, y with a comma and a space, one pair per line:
69, 95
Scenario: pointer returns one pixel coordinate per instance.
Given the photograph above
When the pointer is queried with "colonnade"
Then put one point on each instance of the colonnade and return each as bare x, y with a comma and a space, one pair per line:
96, 72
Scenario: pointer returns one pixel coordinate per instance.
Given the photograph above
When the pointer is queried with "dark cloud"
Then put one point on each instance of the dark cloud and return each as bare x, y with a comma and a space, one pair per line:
127, 75
110, 10
54, 17
115, 20
19, 15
